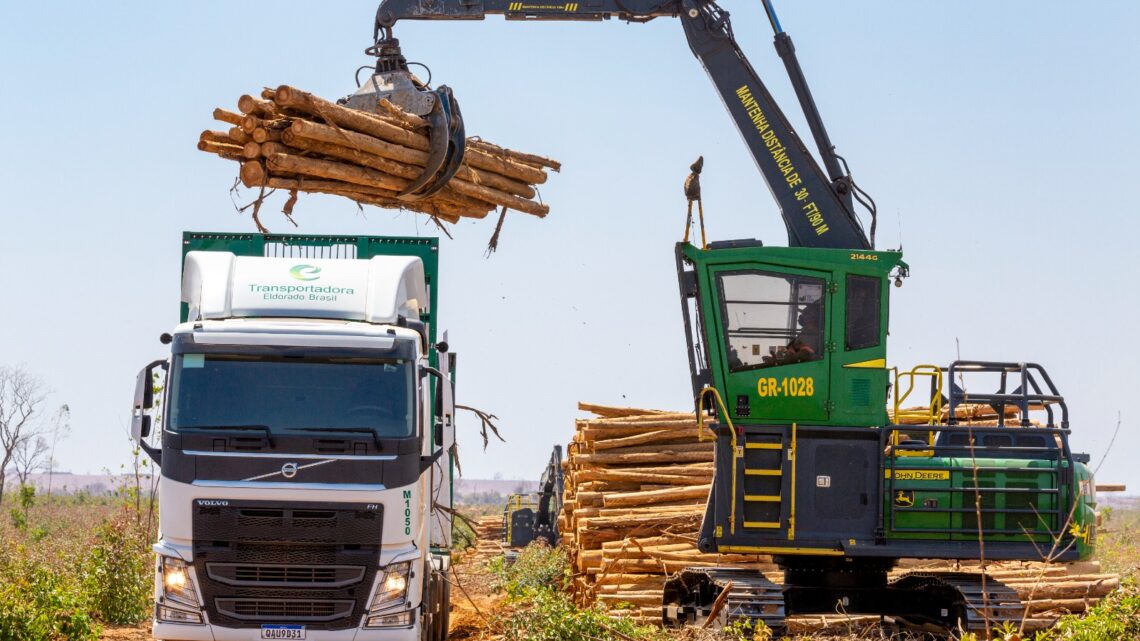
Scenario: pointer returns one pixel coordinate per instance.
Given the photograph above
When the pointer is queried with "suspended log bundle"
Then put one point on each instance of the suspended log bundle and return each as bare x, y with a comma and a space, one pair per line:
292, 140
635, 491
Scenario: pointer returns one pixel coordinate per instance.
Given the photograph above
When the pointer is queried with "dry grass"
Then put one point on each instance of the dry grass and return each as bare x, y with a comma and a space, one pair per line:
1119, 545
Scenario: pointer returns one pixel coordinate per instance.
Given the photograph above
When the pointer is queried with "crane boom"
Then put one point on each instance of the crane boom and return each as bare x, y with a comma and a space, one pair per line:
816, 207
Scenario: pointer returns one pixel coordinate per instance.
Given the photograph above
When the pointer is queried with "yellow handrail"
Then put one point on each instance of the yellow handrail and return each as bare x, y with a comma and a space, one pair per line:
792, 515
932, 413
701, 429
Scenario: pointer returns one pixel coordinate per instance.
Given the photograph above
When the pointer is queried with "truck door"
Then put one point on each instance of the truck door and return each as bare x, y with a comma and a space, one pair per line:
769, 344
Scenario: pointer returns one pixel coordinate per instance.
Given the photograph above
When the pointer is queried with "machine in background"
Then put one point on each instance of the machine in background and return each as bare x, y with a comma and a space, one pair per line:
527, 517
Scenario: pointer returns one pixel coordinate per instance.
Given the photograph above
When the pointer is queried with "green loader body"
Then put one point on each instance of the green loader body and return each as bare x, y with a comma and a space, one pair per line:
788, 347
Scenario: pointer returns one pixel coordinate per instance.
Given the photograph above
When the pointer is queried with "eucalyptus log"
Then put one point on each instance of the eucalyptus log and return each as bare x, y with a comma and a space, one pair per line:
239, 135
333, 171
1072, 590
517, 156
262, 134
227, 116
659, 436
219, 137
656, 496
229, 152
353, 119
449, 212
480, 183
247, 104
650, 542
407, 119
1075, 606
252, 173
613, 411
385, 165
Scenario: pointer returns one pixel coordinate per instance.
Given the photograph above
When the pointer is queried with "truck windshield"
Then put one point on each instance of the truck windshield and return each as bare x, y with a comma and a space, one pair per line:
292, 395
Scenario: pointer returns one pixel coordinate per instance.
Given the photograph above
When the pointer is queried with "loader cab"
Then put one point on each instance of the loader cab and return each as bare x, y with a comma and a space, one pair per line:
789, 334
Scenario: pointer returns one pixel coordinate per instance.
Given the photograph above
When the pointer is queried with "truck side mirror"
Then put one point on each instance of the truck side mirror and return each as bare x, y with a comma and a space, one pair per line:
446, 393
443, 414
141, 420
444, 410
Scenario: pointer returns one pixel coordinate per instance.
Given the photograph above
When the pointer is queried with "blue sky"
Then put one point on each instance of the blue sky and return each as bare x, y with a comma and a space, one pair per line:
999, 140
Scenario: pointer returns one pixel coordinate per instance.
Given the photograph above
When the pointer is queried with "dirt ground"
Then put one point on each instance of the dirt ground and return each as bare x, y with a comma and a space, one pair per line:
139, 632
472, 600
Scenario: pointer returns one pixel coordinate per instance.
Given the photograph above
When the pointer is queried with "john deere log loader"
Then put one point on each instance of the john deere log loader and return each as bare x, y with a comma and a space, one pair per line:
787, 348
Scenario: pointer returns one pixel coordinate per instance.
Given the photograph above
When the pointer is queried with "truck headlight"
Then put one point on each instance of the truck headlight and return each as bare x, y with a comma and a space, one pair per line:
391, 592
179, 598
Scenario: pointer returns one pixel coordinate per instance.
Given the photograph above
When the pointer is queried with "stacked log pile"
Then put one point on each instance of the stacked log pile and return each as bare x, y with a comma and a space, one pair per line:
292, 140
636, 484
488, 537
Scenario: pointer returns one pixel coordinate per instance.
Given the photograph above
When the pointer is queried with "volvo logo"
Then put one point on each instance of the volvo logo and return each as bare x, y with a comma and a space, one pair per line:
289, 470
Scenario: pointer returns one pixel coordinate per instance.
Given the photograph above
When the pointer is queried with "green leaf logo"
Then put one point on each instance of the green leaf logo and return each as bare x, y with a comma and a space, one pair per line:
305, 272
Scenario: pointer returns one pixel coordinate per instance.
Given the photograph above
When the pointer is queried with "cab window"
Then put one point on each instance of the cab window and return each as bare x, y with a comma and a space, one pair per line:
863, 312
771, 319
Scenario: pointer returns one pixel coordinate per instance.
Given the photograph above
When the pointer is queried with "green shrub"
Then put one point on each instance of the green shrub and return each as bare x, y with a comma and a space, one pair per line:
743, 630
551, 615
120, 573
536, 581
1116, 617
37, 604
537, 566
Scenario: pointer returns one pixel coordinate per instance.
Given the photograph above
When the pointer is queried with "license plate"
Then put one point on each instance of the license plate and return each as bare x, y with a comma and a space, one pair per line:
282, 632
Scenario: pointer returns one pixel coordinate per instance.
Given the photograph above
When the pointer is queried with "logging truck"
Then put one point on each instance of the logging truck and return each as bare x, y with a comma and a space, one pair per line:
787, 351
303, 425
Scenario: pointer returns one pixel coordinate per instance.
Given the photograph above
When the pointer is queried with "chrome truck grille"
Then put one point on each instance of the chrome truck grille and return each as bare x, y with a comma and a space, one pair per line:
251, 575
266, 562
296, 610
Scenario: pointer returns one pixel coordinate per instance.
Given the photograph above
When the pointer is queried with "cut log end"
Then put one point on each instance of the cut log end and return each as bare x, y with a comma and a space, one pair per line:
252, 174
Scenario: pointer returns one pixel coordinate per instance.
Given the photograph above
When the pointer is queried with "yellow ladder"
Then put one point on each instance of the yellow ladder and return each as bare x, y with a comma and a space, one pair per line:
755, 466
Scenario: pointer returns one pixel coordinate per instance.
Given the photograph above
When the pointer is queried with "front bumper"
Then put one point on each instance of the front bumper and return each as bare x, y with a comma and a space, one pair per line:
180, 632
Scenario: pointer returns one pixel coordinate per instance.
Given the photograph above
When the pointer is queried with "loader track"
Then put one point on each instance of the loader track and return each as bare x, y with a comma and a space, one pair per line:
690, 596
975, 609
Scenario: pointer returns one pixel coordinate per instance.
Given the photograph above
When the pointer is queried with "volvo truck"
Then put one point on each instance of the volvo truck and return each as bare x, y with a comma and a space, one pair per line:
303, 423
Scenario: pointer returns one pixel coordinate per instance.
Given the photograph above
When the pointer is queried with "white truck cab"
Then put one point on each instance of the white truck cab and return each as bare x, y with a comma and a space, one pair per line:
303, 425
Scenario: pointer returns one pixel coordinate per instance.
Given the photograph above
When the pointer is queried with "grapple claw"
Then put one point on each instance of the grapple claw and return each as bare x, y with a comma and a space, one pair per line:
393, 82
445, 153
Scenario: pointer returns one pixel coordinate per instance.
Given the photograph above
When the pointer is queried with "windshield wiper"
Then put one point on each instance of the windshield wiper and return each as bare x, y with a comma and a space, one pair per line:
252, 427
341, 430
